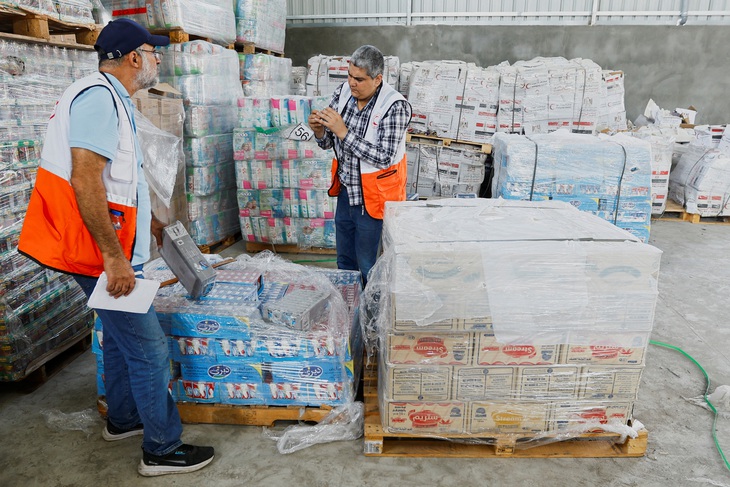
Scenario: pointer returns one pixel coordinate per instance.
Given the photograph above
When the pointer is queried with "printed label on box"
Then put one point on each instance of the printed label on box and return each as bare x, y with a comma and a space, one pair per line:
427, 418
548, 383
508, 417
606, 349
609, 382
408, 383
491, 352
484, 382
429, 349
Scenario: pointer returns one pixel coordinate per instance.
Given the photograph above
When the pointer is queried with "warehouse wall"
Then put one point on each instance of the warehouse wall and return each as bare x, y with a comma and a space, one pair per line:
675, 66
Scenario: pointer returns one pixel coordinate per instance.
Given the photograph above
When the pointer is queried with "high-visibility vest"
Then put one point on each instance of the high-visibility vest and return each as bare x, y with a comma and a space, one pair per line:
378, 184
53, 233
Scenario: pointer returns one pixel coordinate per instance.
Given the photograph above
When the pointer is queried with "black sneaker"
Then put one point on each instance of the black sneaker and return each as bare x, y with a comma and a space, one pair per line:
112, 433
187, 458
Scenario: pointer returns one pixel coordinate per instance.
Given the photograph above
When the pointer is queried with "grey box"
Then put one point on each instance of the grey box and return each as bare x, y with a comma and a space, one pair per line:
186, 261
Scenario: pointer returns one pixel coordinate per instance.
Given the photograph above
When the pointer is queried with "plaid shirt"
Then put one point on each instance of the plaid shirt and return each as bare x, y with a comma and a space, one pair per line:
353, 148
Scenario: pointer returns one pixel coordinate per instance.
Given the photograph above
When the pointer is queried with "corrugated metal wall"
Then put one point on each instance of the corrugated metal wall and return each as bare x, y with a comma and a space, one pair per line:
304, 13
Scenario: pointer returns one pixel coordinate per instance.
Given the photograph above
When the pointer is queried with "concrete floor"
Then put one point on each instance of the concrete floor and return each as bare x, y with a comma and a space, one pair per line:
692, 314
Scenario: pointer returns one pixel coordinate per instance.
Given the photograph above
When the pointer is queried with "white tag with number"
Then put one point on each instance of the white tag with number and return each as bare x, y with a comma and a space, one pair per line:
300, 132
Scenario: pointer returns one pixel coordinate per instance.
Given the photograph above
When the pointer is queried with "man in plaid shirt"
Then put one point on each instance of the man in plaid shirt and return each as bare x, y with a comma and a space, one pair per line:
365, 124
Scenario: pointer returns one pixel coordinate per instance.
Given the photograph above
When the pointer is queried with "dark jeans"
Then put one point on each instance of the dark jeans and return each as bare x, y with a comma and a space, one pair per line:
137, 375
358, 236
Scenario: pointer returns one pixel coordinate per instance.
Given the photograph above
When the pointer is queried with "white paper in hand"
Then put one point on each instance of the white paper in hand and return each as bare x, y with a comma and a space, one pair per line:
138, 301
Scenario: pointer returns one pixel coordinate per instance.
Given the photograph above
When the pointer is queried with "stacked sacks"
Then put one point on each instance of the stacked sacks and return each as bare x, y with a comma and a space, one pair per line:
326, 73
208, 78
701, 180
609, 177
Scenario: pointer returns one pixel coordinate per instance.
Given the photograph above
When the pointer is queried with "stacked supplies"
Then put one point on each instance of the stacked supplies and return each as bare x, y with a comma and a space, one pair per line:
226, 348
435, 171
326, 73
262, 22
609, 177
40, 310
208, 78
530, 318
212, 19
282, 188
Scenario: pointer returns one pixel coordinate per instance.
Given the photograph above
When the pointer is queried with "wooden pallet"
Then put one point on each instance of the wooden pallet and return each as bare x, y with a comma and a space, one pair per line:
379, 443
20, 24
178, 36
675, 212
251, 48
218, 246
194, 413
40, 370
446, 142
254, 247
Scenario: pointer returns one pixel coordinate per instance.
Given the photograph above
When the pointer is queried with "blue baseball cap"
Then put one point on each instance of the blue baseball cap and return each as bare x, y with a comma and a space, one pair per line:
123, 36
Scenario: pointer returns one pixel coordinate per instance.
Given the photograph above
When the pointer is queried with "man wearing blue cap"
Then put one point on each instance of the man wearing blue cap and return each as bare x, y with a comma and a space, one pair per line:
90, 213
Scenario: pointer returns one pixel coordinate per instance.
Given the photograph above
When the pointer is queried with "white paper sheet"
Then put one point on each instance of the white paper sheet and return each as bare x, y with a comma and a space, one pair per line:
138, 301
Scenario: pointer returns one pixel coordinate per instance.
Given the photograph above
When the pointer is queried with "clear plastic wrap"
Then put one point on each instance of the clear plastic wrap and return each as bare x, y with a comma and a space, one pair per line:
700, 181
298, 85
204, 73
500, 317
72, 11
163, 158
210, 179
212, 149
214, 227
264, 75
39, 309
282, 189
444, 171
203, 120
229, 353
212, 19
344, 422
607, 176
262, 22
662, 146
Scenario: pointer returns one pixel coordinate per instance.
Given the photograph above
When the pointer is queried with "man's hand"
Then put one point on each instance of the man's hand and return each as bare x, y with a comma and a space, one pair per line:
332, 120
157, 227
120, 275
315, 124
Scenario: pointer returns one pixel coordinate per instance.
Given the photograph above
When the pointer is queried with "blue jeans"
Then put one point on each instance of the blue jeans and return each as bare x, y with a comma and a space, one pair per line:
358, 236
137, 375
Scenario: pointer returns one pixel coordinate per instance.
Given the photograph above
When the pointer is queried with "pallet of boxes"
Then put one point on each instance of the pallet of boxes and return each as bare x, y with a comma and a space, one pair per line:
269, 340
518, 326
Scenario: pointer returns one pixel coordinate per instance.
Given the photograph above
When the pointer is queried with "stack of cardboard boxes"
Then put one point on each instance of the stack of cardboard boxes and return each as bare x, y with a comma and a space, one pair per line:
511, 317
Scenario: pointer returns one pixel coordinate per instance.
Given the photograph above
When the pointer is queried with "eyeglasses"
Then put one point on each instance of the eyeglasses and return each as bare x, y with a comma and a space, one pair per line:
157, 54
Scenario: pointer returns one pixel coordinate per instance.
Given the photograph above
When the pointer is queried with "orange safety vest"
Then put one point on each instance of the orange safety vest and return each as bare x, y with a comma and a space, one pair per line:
378, 184
53, 233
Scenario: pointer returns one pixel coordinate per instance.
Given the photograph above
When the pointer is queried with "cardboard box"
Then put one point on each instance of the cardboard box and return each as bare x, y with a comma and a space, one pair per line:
606, 349
427, 418
429, 348
491, 352
580, 415
484, 383
409, 383
508, 417
560, 382
610, 382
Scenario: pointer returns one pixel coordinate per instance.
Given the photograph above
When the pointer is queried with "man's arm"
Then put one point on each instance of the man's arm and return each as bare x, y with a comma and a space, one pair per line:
86, 180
